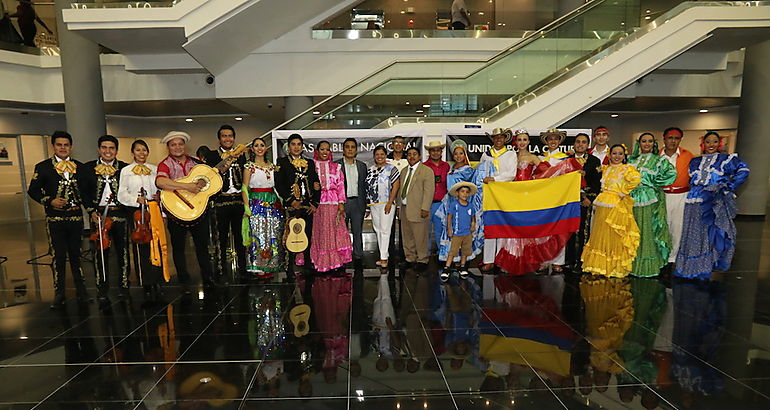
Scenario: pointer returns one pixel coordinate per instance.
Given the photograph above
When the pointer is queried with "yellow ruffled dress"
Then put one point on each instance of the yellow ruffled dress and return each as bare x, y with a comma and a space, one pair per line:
614, 239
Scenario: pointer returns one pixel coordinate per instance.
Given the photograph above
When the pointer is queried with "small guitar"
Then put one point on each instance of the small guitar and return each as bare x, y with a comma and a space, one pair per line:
299, 315
296, 240
187, 206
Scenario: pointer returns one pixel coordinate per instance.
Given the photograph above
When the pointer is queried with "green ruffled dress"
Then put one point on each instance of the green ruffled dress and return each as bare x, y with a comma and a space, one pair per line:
650, 213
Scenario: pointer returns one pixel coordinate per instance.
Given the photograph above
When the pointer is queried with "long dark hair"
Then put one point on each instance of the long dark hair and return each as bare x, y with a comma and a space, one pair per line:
252, 156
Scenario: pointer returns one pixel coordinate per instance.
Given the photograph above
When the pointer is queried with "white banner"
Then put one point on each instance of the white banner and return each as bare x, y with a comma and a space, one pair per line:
367, 141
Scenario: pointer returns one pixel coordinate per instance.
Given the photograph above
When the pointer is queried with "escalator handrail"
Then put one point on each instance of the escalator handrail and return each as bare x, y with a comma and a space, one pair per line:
486, 62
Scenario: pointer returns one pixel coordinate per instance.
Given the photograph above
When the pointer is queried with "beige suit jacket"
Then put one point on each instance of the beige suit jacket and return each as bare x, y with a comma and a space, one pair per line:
420, 193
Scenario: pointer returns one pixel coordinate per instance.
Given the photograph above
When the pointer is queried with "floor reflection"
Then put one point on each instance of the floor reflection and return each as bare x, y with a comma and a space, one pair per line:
399, 340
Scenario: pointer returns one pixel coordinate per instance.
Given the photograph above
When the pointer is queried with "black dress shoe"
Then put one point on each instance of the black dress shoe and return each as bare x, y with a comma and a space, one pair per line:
58, 301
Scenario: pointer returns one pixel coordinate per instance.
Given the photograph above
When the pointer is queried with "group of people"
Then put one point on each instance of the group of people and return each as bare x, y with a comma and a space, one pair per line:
639, 212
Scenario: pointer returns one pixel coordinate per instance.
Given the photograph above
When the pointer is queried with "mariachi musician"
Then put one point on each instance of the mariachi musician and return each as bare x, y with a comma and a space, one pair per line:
177, 165
100, 179
590, 187
137, 188
54, 185
228, 204
297, 183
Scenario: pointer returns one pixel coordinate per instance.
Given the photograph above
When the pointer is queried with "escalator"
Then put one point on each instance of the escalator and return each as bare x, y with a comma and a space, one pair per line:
549, 77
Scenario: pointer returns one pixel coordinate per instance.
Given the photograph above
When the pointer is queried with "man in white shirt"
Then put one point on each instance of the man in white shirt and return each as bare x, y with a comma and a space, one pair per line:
355, 191
676, 193
460, 17
505, 164
600, 148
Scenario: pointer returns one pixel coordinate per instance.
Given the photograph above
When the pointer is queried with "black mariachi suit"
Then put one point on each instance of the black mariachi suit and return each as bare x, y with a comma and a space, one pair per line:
93, 186
591, 186
306, 178
64, 226
228, 210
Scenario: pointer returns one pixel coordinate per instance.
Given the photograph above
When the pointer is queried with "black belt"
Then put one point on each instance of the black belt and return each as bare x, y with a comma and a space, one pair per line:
435, 201
231, 194
352, 197
109, 208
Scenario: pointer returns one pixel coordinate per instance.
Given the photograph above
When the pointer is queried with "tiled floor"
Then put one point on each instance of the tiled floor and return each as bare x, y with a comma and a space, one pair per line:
234, 346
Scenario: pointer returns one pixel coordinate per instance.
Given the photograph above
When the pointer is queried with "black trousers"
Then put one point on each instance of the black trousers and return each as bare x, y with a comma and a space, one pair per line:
229, 219
199, 230
146, 273
119, 243
396, 248
577, 241
65, 239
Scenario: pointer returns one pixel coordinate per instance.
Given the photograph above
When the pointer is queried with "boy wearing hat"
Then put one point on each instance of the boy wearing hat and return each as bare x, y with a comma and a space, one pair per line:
177, 165
461, 222
600, 148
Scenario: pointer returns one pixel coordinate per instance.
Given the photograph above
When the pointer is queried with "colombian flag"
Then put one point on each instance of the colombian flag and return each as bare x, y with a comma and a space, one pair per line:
532, 209
526, 339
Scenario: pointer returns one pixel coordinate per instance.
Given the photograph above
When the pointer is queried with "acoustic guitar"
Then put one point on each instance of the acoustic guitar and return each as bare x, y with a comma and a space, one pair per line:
299, 315
296, 240
185, 205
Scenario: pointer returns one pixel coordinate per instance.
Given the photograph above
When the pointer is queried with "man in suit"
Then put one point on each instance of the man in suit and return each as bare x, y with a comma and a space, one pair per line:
355, 191
590, 187
100, 180
417, 189
297, 183
54, 185
228, 204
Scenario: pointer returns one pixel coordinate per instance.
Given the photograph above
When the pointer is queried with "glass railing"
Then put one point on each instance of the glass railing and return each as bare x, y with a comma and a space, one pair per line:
112, 4
477, 91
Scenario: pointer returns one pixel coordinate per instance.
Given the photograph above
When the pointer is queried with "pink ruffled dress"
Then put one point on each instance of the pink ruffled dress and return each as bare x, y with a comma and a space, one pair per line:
330, 246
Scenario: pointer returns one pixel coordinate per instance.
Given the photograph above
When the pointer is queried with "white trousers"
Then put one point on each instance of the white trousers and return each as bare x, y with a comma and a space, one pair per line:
382, 224
675, 216
491, 247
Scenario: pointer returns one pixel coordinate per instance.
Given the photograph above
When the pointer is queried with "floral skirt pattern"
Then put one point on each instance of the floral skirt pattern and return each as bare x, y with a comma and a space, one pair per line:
265, 232
330, 247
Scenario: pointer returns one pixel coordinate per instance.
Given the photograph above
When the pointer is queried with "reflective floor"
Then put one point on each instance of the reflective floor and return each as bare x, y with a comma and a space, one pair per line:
402, 340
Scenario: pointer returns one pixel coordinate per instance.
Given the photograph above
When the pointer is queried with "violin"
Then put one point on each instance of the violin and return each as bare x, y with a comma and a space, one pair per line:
142, 231
101, 233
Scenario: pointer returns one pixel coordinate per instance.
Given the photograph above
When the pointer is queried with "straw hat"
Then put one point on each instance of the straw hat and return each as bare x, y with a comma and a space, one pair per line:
553, 131
175, 134
455, 187
506, 132
434, 144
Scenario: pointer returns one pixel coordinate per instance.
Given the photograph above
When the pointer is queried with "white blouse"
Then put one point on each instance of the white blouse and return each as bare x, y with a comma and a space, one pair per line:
131, 184
261, 177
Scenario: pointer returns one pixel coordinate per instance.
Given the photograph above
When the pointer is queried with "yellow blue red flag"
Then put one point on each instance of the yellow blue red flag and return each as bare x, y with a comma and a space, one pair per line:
532, 209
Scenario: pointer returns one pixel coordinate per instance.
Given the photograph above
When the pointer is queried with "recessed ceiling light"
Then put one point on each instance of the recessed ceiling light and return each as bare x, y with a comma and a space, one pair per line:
316, 112
239, 118
407, 103
188, 119
614, 115
419, 111
426, 106
647, 17
704, 110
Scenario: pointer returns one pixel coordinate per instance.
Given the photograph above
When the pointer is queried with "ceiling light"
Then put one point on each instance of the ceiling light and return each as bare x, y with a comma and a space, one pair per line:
704, 110
403, 12
481, 13
426, 106
614, 115
647, 11
239, 118
419, 111
316, 112
407, 103
188, 119
647, 17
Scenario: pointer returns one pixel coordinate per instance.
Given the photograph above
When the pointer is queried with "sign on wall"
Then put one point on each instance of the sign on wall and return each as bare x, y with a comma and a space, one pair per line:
367, 141
479, 143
